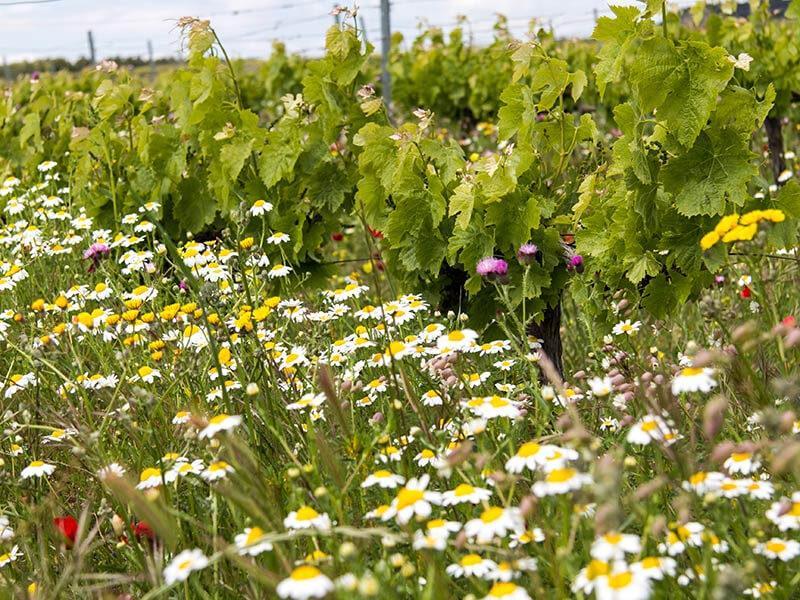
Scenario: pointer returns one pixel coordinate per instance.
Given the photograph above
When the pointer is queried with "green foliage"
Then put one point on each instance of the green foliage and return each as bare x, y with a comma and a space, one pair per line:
684, 158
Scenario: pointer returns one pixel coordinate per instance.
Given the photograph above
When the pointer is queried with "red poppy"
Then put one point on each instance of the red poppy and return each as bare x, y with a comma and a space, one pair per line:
789, 321
376, 233
68, 527
142, 529
745, 293
337, 236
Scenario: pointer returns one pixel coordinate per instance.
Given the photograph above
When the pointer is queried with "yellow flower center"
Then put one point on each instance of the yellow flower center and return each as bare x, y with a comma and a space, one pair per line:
408, 497
148, 473
255, 534
649, 426
528, 449
498, 402
776, 547
502, 589
619, 581
306, 513
305, 572
435, 523
492, 514
464, 490
651, 562
470, 560
560, 475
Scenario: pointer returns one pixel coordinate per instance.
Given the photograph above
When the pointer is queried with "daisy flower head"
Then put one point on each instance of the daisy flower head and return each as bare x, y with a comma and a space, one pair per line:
383, 479
471, 565
704, 482
181, 417
626, 327
6, 532
587, 578
252, 542
37, 468
182, 468
531, 456
656, 567
216, 470
623, 583
146, 374
786, 515
760, 490
648, 429
492, 407
464, 493
688, 534
307, 518
458, 340
426, 541
184, 564
149, 478
305, 581
693, 379
219, 423
413, 499
614, 546
441, 527
742, 462
506, 590
601, 386
494, 522
260, 207
278, 237
10, 556
776, 548
562, 480
279, 270
432, 398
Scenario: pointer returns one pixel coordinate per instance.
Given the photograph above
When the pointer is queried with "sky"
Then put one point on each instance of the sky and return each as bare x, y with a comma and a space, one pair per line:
50, 28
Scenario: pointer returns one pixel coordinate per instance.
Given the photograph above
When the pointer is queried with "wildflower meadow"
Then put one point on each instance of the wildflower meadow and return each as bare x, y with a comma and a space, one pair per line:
264, 336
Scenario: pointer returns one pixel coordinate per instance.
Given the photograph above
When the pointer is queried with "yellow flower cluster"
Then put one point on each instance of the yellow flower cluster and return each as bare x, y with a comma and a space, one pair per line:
735, 228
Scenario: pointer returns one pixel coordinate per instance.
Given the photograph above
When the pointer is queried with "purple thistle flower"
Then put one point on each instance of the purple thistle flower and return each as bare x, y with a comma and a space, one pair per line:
575, 263
94, 253
492, 268
183, 286
527, 253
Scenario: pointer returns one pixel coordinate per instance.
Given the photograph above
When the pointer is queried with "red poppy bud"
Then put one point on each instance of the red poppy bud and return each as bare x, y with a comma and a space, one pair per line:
745, 293
68, 527
337, 236
377, 234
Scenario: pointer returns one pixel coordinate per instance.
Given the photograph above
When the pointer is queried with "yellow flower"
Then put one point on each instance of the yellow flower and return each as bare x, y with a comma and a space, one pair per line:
726, 224
740, 233
773, 214
709, 239
754, 216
